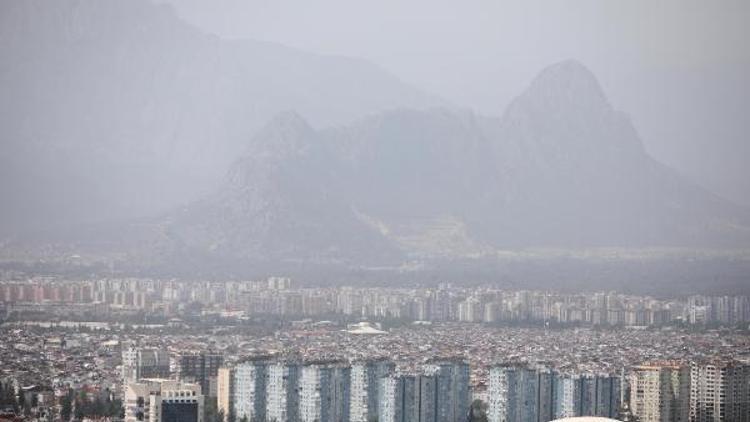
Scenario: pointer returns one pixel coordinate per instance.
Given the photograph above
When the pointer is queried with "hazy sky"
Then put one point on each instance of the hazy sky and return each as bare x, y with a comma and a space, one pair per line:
679, 68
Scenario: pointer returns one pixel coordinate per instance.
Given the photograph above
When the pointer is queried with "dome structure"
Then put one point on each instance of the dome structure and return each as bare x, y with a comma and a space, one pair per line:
364, 328
586, 419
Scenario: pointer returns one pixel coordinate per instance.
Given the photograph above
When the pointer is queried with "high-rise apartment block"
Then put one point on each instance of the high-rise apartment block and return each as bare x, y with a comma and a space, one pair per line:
201, 368
365, 385
586, 395
398, 399
452, 389
719, 391
282, 392
659, 392
523, 393
140, 363
324, 392
250, 379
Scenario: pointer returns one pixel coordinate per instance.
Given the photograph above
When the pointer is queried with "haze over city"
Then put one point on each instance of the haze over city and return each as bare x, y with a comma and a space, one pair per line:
422, 211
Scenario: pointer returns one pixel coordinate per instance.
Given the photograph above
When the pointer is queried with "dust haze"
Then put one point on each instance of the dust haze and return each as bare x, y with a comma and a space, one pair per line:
183, 136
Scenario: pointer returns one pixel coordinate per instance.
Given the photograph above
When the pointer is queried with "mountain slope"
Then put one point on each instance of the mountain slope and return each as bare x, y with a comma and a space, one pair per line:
117, 109
280, 203
562, 168
586, 180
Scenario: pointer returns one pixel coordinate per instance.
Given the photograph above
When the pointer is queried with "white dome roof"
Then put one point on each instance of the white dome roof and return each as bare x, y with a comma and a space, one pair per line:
586, 419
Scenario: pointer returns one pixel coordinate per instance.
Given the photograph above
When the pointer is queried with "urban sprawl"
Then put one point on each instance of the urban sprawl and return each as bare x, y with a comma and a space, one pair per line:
167, 350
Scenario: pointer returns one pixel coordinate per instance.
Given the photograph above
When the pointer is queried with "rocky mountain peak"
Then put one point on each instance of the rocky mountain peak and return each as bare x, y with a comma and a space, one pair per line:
567, 85
287, 134
565, 115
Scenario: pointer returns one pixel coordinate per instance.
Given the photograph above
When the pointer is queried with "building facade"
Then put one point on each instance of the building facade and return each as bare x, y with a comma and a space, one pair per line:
140, 363
324, 392
248, 389
397, 401
365, 386
452, 389
282, 392
659, 392
719, 391
522, 393
201, 368
161, 400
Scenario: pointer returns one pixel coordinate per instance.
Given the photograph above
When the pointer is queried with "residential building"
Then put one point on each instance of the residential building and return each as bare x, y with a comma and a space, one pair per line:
140, 363
201, 368
161, 400
659, 392
452, 389
282, 392
365, 383
719, 391
324, 392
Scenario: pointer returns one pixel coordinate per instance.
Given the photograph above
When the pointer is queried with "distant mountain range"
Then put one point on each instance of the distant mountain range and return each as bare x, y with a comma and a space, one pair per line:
116, 109
562, 169
161, 104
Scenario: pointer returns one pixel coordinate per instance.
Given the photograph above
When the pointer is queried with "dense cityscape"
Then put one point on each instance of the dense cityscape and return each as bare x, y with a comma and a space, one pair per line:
238, 300
267, 351
374, 211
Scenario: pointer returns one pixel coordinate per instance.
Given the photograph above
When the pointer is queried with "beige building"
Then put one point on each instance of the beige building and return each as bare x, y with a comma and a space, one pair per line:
660, 392
224, 389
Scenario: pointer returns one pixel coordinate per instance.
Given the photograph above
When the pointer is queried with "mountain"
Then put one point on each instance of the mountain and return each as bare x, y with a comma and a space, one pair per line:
280, 202
584, 178
561, 169
330, 196
116, 109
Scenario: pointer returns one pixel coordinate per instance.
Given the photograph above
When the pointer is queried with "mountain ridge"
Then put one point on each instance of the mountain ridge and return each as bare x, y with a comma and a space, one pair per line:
441, 184
407, 181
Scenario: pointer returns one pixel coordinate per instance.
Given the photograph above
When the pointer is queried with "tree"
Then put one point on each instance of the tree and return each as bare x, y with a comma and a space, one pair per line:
8, 396
478, 411
210, 413
80, 405
98, 408
4, 395
67, 406
115, 408
22, 403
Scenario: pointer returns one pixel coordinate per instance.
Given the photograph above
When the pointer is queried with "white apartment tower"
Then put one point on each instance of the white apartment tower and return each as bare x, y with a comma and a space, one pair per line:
282, 398
365, 385
719, 391
324, 392
248, 392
